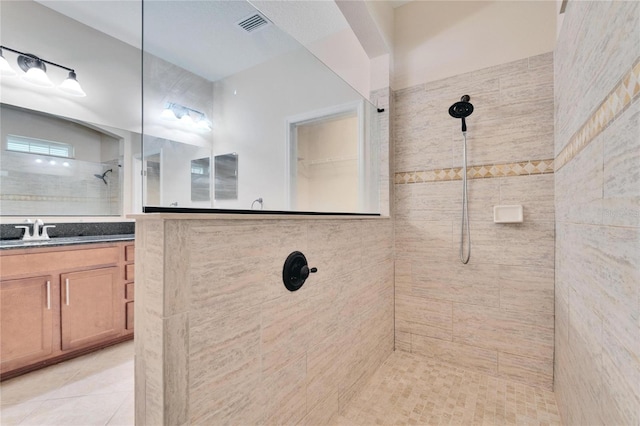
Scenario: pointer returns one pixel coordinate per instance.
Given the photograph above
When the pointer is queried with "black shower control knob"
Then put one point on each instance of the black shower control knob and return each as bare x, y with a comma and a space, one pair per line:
305, 271
296, 271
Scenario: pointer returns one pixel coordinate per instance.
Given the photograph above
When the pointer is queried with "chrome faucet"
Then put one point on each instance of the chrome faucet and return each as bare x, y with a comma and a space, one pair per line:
36, 229
40, 231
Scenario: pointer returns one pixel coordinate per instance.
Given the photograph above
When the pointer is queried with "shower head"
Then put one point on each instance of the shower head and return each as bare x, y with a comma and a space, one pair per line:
102, 176
462, 110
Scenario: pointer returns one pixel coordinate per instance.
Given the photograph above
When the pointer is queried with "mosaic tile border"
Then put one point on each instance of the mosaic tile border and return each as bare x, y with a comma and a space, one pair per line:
532, 167
625, 92
22, 197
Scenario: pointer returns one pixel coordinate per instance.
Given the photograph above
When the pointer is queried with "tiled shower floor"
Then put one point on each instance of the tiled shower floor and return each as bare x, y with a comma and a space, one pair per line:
97, 389
410, 389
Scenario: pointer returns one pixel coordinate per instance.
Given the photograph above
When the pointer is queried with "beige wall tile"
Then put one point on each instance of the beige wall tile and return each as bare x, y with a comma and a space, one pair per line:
620, 397
483, 195
535, 193
402, 341
255, 350
471, 283
433, 201
324, 413
472, 357
489, 328
586, 67
428, 317
579, 187
536, 371
528, 243
621, 176
526, 294
176, 369
286, 401
222, 349
177, 286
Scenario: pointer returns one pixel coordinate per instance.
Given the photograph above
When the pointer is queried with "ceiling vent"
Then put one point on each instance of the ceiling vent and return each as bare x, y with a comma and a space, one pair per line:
255, 21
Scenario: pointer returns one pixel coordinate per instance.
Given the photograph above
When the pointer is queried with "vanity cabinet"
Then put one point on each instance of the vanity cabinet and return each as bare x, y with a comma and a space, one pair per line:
27, 321
60, 302
90, 311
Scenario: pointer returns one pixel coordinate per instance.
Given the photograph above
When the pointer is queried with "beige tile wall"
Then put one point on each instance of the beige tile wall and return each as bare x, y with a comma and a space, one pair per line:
494, 314
220, 340
597, 186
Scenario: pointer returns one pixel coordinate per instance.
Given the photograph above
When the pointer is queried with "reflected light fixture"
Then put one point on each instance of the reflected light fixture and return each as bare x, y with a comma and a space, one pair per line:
36, 72
5, 68
188, 117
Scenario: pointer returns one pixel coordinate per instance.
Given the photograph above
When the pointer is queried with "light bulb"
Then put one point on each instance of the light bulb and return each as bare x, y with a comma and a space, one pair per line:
5, 68
168, 114
204, 125
37, 77
186, 120
71, 86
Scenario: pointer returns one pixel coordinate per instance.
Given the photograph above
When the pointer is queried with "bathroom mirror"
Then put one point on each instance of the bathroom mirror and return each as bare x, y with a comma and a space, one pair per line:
99, 134
209, 83
226, 173
200, 179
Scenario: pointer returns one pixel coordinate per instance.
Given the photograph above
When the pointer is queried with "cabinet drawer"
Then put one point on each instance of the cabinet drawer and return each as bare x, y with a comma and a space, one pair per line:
130, 313
130, 253
129, 291
129, 272
44, 262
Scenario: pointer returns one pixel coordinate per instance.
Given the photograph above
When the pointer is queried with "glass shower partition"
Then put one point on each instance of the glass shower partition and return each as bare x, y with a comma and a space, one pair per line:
220, 80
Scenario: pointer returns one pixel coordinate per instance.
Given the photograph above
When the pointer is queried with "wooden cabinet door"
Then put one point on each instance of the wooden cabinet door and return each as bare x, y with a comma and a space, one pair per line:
91, 307
27, 312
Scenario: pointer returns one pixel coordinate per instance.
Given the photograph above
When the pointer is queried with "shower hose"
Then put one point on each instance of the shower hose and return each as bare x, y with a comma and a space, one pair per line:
465, 208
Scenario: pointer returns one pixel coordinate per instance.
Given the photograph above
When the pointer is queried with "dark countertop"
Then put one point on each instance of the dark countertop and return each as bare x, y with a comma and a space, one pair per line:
63, 241
72, 229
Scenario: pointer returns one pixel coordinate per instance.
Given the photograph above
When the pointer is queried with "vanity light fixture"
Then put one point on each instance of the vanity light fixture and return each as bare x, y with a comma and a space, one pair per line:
36, 72
190, 118
5, 68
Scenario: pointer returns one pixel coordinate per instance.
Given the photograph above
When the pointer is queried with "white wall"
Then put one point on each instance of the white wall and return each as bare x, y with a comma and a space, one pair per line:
438, 39
87, 142
108, 69
250, 115
321, 27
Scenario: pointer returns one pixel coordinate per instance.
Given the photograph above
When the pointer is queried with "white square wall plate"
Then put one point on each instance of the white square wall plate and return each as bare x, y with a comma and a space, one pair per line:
508, 214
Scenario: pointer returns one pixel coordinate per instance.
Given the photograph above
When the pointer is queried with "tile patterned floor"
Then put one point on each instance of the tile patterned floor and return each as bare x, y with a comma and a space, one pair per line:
410, 389
95, 389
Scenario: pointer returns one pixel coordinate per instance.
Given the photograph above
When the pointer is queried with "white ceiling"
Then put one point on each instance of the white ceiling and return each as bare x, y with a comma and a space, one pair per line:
200, 36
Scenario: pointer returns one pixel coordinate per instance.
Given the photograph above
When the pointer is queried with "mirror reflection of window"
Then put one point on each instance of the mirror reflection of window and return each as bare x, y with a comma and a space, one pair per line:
51, 165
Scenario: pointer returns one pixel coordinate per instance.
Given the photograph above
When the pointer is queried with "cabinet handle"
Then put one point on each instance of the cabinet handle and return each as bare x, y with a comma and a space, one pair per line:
49, 295
66, 285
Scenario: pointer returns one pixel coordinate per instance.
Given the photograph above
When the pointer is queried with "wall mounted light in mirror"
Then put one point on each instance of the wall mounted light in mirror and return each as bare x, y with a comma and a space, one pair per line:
36, 72
188, 118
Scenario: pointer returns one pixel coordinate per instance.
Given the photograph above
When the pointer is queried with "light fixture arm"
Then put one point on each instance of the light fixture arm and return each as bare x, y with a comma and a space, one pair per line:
32, 56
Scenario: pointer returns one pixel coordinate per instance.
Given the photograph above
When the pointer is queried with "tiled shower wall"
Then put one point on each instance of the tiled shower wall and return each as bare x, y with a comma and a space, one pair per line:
220, 340
597, 148
494, 314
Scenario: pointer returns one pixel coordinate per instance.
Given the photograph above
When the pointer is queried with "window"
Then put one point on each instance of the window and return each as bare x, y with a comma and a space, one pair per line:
39, 146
